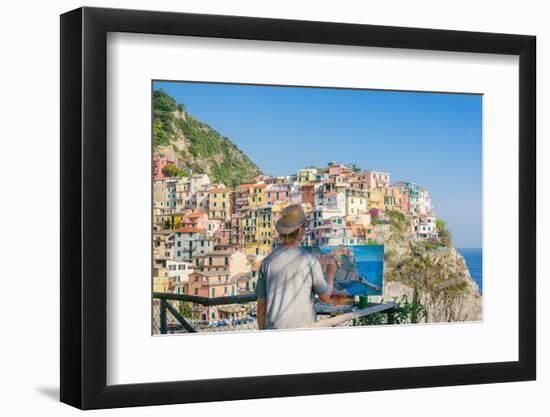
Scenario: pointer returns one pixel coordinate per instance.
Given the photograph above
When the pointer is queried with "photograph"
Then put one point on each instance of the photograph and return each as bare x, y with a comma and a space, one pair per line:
280, 207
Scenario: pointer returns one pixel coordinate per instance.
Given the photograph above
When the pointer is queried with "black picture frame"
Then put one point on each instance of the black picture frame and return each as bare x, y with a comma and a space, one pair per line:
84, 207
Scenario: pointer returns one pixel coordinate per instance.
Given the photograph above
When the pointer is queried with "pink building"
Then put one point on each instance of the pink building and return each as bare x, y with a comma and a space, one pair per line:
338, 169
195, 219
160, 162
278, 192
308, 194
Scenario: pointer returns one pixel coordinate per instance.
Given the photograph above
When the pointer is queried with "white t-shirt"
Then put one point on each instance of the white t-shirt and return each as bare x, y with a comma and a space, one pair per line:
289, 278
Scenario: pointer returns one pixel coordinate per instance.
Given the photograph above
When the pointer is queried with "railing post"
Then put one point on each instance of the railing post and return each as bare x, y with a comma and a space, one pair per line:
163, 322
391, 316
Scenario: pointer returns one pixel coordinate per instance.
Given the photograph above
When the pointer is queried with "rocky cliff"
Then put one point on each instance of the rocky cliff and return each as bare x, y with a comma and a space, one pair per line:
437, 278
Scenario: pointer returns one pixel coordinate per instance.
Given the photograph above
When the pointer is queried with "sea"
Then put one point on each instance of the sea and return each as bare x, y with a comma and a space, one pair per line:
369, 261
474, 261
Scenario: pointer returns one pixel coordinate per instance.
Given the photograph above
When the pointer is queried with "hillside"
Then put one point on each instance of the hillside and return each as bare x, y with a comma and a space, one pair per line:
200, 148
437, 278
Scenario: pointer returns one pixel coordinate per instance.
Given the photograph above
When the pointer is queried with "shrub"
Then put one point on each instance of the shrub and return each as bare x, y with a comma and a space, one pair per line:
404, 312
374, 212
170, 170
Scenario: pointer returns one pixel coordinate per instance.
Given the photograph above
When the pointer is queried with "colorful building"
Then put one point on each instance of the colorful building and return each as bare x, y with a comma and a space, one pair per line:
355, 201
211, 284
196, 218
371, 180
278, 192
235, 262
190, 242
424, 227
220, 204
306, 175
395, 198
257, 230
160, 161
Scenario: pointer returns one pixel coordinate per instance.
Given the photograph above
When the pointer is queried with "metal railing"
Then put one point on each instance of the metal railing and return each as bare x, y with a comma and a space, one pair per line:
184, 313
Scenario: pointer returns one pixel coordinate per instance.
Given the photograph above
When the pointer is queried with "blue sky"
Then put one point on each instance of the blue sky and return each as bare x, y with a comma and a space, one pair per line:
432, 139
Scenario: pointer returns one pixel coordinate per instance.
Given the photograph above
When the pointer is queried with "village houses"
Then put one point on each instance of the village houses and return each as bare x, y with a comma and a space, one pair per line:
209, 239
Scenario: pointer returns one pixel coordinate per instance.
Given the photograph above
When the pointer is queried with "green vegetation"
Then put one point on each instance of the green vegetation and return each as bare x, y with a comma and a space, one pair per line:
404, 312
185, 310
443, 232
206, 151
172, 171
398, 220
163, 118
433, 244
233, 169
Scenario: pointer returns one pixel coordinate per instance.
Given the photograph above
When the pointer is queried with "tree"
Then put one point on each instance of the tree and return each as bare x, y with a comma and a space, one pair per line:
170, 170
443, 232
355, 168
185, 310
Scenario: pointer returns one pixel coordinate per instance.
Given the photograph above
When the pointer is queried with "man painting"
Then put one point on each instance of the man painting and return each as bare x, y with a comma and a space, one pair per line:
290, 277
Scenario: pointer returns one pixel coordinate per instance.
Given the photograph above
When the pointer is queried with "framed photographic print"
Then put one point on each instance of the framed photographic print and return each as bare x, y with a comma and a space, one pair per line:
257, 207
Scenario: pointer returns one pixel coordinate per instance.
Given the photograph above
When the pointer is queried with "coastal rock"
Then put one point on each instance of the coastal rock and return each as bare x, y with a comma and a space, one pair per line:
438, 279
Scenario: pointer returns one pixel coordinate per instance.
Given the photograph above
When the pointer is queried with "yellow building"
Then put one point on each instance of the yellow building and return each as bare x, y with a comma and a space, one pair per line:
166, 219
250, 196
257, 196
375, 199
394, 198
306, 175
162, 284
257, 230
219, 202
161, 280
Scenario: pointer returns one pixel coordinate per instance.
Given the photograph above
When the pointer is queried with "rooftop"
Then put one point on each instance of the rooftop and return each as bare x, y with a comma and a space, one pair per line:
189, 230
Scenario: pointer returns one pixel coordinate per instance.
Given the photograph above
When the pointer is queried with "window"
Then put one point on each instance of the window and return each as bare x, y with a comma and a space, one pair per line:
213, 292
225, 290
179, 253
179, 243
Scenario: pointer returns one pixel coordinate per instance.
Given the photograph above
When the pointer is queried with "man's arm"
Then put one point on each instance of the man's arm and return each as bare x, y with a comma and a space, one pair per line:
331, 271
260, 313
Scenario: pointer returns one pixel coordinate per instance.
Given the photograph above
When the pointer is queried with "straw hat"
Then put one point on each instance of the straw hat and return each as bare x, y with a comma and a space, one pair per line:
292, 217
